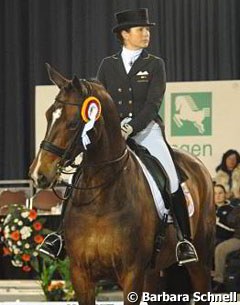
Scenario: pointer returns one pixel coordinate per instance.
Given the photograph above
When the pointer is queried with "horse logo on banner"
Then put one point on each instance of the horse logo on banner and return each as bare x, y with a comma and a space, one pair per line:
188, 111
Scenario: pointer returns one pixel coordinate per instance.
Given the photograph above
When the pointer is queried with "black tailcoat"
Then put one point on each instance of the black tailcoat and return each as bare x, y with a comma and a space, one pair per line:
139, 93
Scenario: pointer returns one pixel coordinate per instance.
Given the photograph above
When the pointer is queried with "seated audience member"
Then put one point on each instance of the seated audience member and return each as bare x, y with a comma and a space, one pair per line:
228, 173
223, 208
226, 247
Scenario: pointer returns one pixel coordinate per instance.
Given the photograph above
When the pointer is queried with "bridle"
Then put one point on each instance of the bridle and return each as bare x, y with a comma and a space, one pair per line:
66, 154
67, 157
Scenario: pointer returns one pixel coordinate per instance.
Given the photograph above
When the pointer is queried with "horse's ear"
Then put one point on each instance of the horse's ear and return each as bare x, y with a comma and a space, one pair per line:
76, 83
56, 77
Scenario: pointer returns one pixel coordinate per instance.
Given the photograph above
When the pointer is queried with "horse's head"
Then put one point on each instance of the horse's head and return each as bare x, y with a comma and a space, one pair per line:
178, 102
76, 122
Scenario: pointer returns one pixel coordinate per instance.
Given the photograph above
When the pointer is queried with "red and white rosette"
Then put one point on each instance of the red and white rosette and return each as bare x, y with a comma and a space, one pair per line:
90, 106
90, 113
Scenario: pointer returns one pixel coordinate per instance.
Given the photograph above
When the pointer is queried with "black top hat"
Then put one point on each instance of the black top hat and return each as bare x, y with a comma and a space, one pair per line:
131, 18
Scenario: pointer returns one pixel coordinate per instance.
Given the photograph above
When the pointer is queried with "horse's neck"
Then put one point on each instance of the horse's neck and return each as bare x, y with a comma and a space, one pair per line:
109, 147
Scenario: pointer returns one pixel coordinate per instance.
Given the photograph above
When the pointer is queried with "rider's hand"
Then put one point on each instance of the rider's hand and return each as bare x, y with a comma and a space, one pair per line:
126, 130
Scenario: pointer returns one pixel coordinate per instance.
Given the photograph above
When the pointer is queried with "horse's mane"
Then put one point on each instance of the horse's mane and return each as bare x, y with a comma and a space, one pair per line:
94, 80
191, 102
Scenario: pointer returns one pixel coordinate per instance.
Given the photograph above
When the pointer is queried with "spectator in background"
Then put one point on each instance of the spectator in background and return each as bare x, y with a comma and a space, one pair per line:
223, 249
223, 208
228, 173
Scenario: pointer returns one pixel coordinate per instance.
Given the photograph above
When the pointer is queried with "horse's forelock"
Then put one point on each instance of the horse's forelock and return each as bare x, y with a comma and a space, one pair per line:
70, 87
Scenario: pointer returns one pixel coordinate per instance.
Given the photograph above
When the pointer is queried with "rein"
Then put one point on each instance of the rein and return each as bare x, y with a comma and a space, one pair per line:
108, 162
103, 185
125, 153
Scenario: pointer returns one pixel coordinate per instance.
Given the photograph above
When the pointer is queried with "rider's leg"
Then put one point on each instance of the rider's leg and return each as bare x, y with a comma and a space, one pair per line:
155, 143
185, 251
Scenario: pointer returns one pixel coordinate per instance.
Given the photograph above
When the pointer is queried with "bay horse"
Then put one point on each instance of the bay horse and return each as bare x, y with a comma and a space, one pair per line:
110, 222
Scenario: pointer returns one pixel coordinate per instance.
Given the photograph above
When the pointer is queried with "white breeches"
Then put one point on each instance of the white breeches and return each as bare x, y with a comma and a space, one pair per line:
151, 137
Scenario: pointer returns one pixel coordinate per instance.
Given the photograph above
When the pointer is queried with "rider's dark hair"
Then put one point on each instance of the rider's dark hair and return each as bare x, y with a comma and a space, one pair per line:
119, 35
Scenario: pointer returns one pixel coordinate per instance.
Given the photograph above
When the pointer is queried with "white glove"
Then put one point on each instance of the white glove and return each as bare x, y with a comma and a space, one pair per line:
126, 130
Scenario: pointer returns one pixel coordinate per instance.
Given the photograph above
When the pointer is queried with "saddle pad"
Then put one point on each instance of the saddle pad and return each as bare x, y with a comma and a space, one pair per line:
157, 197
188, 198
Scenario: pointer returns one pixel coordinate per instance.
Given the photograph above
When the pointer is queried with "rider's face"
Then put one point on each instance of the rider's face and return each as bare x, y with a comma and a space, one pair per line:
136, 38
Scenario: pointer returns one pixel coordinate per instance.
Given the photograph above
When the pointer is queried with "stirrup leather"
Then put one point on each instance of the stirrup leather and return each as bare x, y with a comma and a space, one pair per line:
58, 238
192, 259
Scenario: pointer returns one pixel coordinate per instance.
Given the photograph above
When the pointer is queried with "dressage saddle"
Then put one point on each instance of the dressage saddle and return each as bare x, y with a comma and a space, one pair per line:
155, 168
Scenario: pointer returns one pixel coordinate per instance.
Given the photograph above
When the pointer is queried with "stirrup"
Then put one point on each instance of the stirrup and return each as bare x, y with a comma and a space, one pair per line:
58, 238
47, 253
194, 257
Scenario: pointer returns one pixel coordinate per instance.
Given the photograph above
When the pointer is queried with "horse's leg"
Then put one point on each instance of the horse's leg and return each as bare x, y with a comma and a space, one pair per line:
199, 127
200, 278
133, 286
83, 286
177, 120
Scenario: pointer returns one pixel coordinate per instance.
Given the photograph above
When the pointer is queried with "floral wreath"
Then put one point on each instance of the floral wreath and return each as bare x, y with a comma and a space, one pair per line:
21, 233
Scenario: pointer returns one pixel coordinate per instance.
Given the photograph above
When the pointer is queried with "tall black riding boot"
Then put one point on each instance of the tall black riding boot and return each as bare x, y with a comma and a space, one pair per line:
185, 250
53, 244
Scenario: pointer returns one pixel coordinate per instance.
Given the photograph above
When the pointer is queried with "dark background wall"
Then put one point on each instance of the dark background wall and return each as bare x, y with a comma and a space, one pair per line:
199, 40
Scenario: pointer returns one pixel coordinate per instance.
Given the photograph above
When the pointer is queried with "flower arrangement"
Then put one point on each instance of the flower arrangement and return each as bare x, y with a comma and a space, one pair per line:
21, 233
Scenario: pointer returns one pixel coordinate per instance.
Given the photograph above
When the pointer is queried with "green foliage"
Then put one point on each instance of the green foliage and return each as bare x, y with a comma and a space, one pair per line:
56, 290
